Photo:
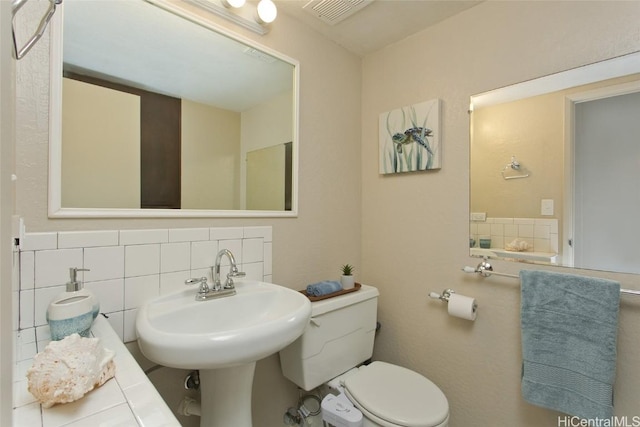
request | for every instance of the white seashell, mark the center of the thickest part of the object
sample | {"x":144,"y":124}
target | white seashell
{"x":67,"y":369}
{"x":517,"y":245}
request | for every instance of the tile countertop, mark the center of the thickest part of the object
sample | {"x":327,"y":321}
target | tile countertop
{"x":129,"y":399}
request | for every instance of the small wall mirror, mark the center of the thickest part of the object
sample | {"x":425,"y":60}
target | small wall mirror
{"x":156,"y":112}
{"x":554,"y":169}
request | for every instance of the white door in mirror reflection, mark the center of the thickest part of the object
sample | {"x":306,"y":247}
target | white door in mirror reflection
{"x":606,"y":234}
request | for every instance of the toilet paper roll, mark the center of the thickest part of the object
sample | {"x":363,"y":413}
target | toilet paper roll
{"x":463,"y":307}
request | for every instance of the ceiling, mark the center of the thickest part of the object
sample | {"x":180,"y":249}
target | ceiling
{"x":380,"y":23}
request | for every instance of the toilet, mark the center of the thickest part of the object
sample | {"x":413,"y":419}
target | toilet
{"x":331,"y":351}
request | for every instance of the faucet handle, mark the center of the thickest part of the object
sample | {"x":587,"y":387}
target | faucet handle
{"x":233,"y":273}
{"x":202,"y":281}
{"x":236,"y":273}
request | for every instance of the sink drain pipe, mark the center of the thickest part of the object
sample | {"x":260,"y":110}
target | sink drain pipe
{"x":189,"y":407}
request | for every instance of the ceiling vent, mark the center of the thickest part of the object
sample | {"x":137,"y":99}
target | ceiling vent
{"x":334,"y":11}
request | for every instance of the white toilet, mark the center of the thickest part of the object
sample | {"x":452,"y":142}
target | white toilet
{"x":338,"y":339}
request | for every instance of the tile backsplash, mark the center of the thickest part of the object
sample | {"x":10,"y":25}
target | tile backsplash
{"x":541,"y":234}
{"x":127,"y":267}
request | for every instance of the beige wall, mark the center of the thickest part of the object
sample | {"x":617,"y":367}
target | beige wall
{"x":531,"y":129}
{"x":329,"y":194}
{"x":101,"y":149}
{"x":210,"y":157}
{"x":415,"y":227}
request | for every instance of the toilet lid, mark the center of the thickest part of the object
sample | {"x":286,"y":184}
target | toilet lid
{"x":398,"y":395}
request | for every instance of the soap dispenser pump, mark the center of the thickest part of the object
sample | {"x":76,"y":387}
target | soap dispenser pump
{"x":77,"y":287}
{"x":72,"y":311}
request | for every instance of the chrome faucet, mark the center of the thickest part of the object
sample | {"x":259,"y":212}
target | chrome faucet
{"x":233,"y":272}
{"x":206,"y":292}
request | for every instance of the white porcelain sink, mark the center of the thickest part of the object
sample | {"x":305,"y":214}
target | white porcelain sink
{"x":259,"y":320}
{"x":222,"y":338}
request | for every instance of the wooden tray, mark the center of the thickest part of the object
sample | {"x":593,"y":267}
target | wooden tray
{"x":332,"y":294}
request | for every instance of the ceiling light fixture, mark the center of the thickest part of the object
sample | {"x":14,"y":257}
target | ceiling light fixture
{"x":239,"y":13}
{"x":266,"y":12}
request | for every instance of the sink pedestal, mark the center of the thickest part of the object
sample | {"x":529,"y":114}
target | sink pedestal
{"x":225,"y":396}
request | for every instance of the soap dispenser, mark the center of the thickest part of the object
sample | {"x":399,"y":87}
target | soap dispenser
{"x":72,"y":311}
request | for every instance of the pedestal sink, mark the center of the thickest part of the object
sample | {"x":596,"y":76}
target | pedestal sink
{"x":222,"y":338}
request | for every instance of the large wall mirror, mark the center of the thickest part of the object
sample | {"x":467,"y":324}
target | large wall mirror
{"x":155,"y":112}
{"x":555,"y":169}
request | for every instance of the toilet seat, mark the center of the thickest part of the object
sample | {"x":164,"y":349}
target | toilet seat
{"x":395,"y":396}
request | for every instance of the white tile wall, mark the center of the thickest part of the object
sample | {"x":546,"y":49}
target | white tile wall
{"x":86,"y":239}
{"x":203,"y":254}
{"x":175,"y":257}
{"x":39,"y":241}
{"x":227,"y":233}
{"x":50,"y":265}
{"x":27,"y":270}
{"x":267,"y":257}
{"x":252,"y":250}
{"x":140,"y":260}
{"x":235,"y":246}
{"x":140,"y":237}
{"x":170,"y":282}
{"x":128,"y":267}
{"x":103,"y":263}
{"x":188,"y":235}
{"x":27,"y":305}
{"x":139,"y":289}
{"x":541,"y":234}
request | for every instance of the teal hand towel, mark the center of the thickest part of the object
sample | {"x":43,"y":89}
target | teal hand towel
{"x":569,"y":329}
{"x":323,"y":288}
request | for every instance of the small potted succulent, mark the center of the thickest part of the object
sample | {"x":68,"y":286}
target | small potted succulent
{"x":347,"y":280}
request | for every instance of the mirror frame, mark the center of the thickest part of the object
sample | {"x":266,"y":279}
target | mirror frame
{"x":55,"y":209}
{"x":614,"y":67}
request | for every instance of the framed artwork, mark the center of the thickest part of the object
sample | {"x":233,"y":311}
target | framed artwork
{"x":409,"y":138}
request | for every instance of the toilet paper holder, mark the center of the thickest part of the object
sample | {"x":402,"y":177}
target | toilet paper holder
{"x":446,"y":294}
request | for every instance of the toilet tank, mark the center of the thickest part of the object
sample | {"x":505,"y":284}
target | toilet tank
{"x":339,"y":337}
